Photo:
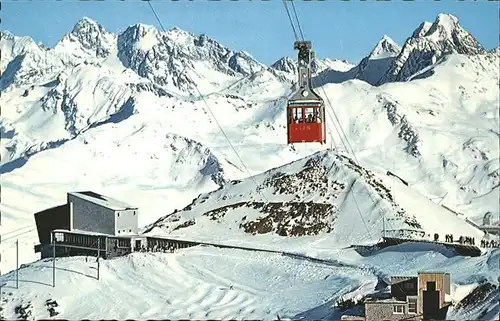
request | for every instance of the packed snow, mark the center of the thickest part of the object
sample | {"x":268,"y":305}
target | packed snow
{"x":211,"y":283}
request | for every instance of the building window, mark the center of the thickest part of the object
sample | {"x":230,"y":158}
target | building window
{"x":399,"y":309}
{"x":134,"y":212}
{"x":59,"y":237}
{"x":118,"y":214}
{"x":123,"y":243}
{"x":118,"y":231}
{"x":412,"y":306}
{"x":130,"y":230}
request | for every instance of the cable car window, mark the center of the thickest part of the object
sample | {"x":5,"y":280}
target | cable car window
{"x":310,"y":115}
{"x":297,"y":116}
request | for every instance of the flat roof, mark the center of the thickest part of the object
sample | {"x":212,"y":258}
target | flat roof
{"x":82,"y":232}
{"x":386,"y":301}
{"x":102,"y":200}
{"x":403,"y":277}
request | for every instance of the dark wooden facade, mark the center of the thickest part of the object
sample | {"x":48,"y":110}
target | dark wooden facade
{"x":402,"y":287}
{"x":52,"y":219}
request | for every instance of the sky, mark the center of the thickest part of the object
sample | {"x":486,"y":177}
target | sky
{"x":338,"y":29}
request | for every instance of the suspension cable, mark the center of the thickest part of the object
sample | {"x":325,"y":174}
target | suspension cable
{"x":297,"y":19}
{"x":213,"y":116}
{"x":352,"y":195}
{"x":291,"y":20}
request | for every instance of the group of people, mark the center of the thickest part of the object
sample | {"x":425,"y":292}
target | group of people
{"x":164,"y":249}
{"x":449,"y":238}
{"x":309,"y":119}
{"x":489,"y":243}
{"x":468,"y":240}
{"x":462,"y":239}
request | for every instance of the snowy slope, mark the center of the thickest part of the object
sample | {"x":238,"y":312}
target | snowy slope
{"x":326,"y":197}
{"x":190,"y":284}
{"x":210,"y":283}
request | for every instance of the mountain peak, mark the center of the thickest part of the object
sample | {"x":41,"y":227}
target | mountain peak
{"x":142,"y":26}
{"x":177,"y":29}
{"x":422,"y":29}
{"x":386,"y":47}
{"x":87,"y":38}
{"x":285,"y":64}
{"x":446,"y":20}
{"x":142,"y":36}
{"x":6,"y":34}
{"x":444,"y":27}
{"x":428,"y":44}
{"x":86,"y":24}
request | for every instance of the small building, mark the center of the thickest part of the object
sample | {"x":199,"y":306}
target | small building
{"x":93,"y":212}
{"x":86,"y":218}
{"x":90,"y":224}
{"x":433,"y":289}
{"x":423,"y":297}
{"x":390,"y":310}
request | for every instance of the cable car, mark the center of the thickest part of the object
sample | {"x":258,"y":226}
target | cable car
{"x":305,"y":108}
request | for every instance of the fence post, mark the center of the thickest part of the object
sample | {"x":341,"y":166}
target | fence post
{"x":17,"y":264}
{"x":53,"y":260}
{"x":98,"y":254}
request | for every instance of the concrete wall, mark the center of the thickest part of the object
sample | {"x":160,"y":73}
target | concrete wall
{"x":384,"y":311}
{"x":127,"y":222}
{"x":91,"y":217}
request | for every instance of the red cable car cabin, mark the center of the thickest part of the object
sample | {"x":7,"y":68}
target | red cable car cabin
{"x":306,"y":109}
{"x":306,"y":122}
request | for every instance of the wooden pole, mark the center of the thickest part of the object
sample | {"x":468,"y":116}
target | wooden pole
{"x":17,"y":264}
{"x":53,"y":260}
{"x":98,"y":254}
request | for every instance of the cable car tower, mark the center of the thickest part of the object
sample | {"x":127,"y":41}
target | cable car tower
{"x":305,"y":108}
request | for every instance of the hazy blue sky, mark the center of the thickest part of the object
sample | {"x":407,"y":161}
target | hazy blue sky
{"x":338,"y":29}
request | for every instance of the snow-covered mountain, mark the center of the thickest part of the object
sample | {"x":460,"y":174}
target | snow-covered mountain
{"x":378,"y":62}
{"x":120,"y":114}
{"x":87,"y":39}
{"x":94,"y":81}
{"x":315,"y":197}
{"x":430,"y":42}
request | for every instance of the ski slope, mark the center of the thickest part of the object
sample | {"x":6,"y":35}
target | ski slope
{"x":210,"y":283}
